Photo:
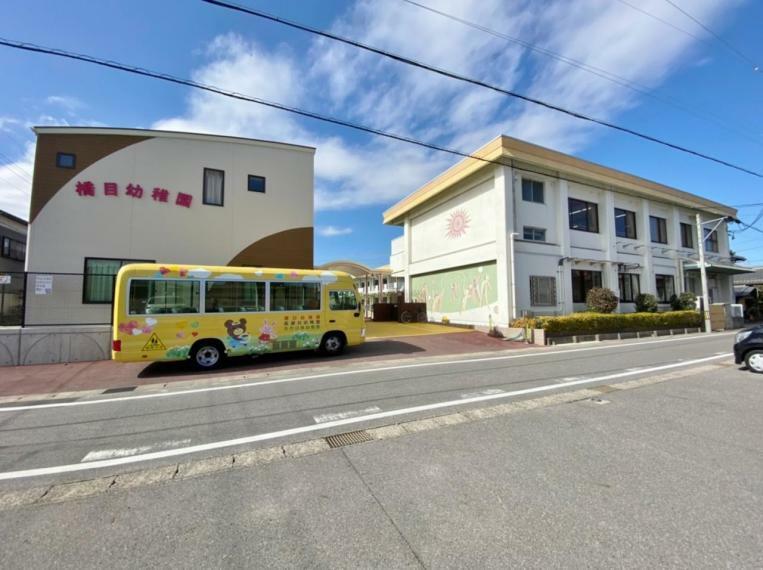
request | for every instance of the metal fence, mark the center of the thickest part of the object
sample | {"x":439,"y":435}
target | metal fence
{"x":55,"y":298}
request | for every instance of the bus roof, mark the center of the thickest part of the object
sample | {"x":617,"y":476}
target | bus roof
{"x":176,"y":270}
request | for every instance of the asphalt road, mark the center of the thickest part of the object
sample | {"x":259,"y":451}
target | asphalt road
{"x":69,"y":440}
{"x":664,"y":475}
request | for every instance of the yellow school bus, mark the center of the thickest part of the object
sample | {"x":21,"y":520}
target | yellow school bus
{"x":205,"y":313}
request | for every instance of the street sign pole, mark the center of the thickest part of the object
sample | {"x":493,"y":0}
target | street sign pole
{"x":703,"y":274}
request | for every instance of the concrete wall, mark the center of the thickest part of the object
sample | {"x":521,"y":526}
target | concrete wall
{"x":49,"y":345}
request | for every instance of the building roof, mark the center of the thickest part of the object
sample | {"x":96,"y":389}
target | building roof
{"x":42,"y":130}
{"x":354,"y":268}
{"x":754,"y":278}
{"x":510,"y":150}
{"x":4,"y":214}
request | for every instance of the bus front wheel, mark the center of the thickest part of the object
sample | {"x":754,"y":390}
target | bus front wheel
{"x":332,"y":343}
{"x":207,"y":355}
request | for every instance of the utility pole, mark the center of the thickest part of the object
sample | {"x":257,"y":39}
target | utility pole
{"x":703,"y":274}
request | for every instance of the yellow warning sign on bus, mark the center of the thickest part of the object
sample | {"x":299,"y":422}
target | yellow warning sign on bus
{"x":154,"y":343}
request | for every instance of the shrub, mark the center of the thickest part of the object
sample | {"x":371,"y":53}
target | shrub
{"x":593,"y":323}
{"x":683,"y":302}
{"x":646,"y":303}
{"x":601,"y":300}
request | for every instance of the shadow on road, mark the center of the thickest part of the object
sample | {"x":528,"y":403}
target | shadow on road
{"x":269,"y":361}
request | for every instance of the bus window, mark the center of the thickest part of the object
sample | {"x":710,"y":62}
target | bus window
{"x":343,"y":300}
{"x":234,"y":297}
{"x":287,"y":296}
{"x":157,"y":297}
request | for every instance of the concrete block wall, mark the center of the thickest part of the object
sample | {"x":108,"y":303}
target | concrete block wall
{"x":51,"y":345}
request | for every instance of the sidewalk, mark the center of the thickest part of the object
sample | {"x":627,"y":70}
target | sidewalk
{"x":108,"y":375}
{"x":664,"y":475}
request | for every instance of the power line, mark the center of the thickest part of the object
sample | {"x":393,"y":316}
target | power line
{"x":479,"y":83}
{"x":719,"y":38}
{"x":295,"y":110}
{"x":597,"y":71}
{"x":666,"y":22}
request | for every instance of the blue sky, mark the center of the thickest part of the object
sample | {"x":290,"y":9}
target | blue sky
{"x":358,"y":176}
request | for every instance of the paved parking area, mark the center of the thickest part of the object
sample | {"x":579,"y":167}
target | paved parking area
{"x":394,"y":329}
{"x":105,"y":375}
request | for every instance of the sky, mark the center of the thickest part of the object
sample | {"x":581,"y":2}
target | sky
{"x":664,"y":75}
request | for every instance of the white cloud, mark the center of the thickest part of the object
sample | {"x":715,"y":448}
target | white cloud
{"x":356,"y":170}
{"x":16,"y":183}
{"x":332,"y":231}
{"x":66,"y":102}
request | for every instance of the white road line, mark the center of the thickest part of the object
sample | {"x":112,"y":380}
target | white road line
{"x":567,"y":379}
{"x":323,"y":418}
{"x":256,"y":383}
{"x":318,"y":427}
{"x":488,"y":392}
{"x":127,"y":451}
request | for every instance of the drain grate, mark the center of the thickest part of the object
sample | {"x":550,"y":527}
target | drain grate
{"x":117,"y":390}
{"x":349,"y":438}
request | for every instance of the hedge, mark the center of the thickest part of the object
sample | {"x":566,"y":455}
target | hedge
{"x":593,"y":323}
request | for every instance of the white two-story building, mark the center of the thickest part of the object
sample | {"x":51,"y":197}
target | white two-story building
{"x":486,"y":242}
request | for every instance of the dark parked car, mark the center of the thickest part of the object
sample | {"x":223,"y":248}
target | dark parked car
{"x":748,"y":348}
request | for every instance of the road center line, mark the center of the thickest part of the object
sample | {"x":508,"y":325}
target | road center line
{"x":256,"y":383}
{"x":26,"y":473}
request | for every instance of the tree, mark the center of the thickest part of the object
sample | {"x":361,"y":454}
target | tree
{"x":601,"y":300}
{"x":683,"y":302}
{"x":646,"y":303}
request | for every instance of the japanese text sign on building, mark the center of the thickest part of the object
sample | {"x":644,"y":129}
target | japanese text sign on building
{"x":88,"y":189}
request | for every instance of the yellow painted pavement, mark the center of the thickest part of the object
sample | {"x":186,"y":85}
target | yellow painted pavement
{"x":394,"y":329}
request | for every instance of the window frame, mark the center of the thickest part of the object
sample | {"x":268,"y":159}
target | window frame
{"x":266,"y":298}
{"x":587,"y":206}
{"x":688,"y":234}
{"x":10,"y":241}
{"x":629,"y":214}
{"x":60,"y":155}
{"x":711,"y":237}
{"x":355,"y":309}
{"x":113,"y":281}
{"x":533,"y":229}
{"x":533,"y":188}
{"x":202,"y":290}
{"x":250,"y":177}
{"x":672,"y":280}
{"x":534,"y":302}
{"x":321,"y":288}
{"x":621,"y":285}
{"x":594,"y":285}
{"x":662,"y":229}
{"x":204,"y":188}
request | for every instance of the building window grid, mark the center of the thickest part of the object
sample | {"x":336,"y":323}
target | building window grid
{"x":13,"y":249}
{"x":542,"y":291}
{"x":711,"y":240}
{"x":630,"y":286}
{"x":66,"y":160}
{"x":584,"y":216}
{"x":532,"y":233}
{"x":532,"y":191}
{"x":687,"y":235}
{"x":214,"y":187}
{"x":625,"y":223}
{"x":255,"y":183}
{"x":659,"y":229}
{"x":584,"y":280}
{"x":665,"y":286}
{"x":99,"y":278}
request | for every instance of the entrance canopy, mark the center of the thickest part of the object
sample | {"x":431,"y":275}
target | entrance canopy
{"x":719,"y":268}
{"x":354,"y":268}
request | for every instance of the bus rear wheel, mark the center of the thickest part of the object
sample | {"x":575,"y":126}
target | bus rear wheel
{"x":332,"y":343}
{"x":207,"y":355}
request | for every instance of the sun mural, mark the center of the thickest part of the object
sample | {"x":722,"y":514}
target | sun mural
{"x":457,"y":224}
